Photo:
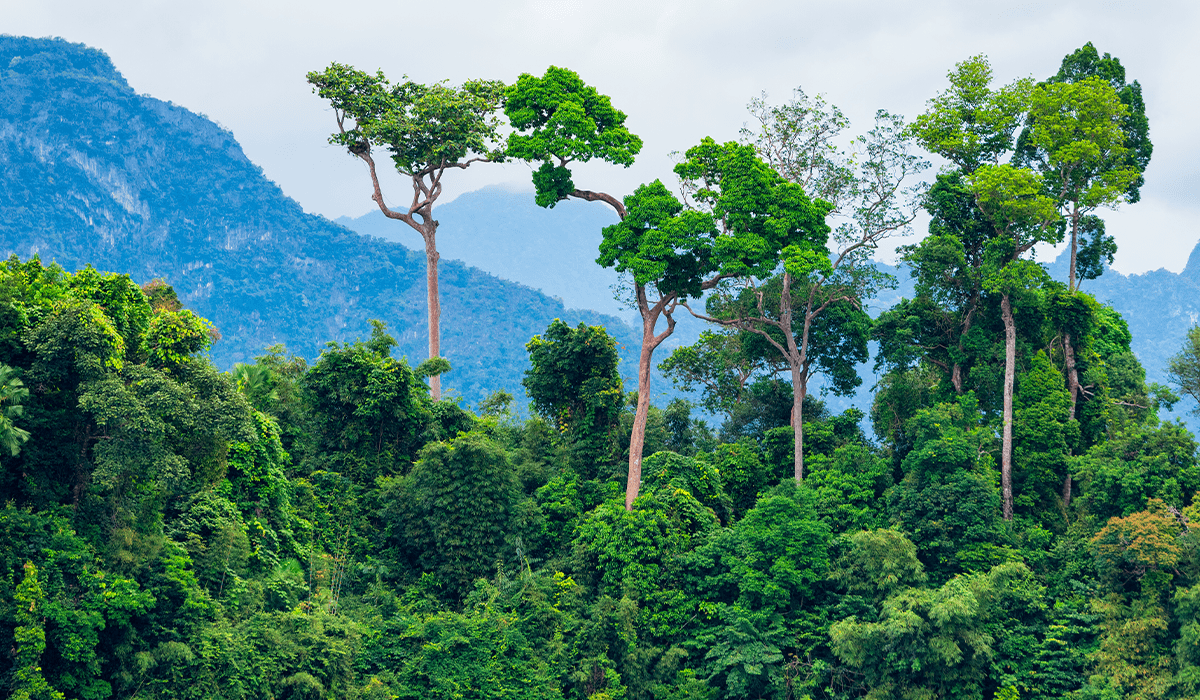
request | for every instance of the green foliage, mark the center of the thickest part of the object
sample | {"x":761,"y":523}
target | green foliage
{"x":877,"y":564}
{"x":696,"y":476}
{"x":1185,"y":367}
{"x":1138,"y":463}
{"x":742,"y":471}
{"x":30,"y":639}
{"x":1043,"y":433}
{"x":771,"y":559}
{"x":367,"y":410}
{"x":459,"y":514}
{"x":12,"y":393}
{"x":971,"y":124}
{"x":574,"y":383}
{"x":558,"y":119}
{"x":423,"y":127}
{"x":947,"y":500}
{"x":929,"y":642}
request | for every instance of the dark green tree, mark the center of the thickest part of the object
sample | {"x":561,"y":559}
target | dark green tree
{"x":574,"y":384}
{"x":457,"y":515}
{"x":368,"y":412}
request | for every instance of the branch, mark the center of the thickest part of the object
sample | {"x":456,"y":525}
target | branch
{"x":743,"y":324}
{"x":608,"y":199}
{"x":378,"y":195}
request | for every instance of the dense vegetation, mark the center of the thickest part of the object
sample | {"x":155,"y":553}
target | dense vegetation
{"x":326,"y":529}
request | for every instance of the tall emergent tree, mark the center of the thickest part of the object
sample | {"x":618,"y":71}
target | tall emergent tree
{"x":426,"y":130}
{"x":810,"y":310}
{"x":972,"y":126}
{"x":559,"y":120}
{"x":1089,"y":136}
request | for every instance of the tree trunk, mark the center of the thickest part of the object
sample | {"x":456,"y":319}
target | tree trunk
{"x":799,"y":391}
{"x":1072,"y":285}
{"x":1073,"y":387}
{"x":637,"y":438}
{"x":956,"y":372}
{"x":650,"y":341}
{"x":1010,"y":370}
{"x":435,"y":307}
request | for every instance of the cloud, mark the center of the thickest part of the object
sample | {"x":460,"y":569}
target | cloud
{"x":681,"y":70}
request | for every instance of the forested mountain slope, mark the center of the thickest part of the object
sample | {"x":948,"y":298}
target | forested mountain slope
{"x":93,"y":173}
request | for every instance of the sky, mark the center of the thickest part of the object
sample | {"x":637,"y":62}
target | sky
{"x":681,"y":70}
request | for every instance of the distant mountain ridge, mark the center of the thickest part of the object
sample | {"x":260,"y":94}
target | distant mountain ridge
{"x":93,"y":173}
{"x":507,"y":234}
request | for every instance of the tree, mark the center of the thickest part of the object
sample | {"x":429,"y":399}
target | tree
{"x":722,"y":363}
{"x":1011,"y":198}
{"x":1077,"y":140}
{"x":972,"y":126}
{"x":456,"y":514}
{"x":12,"y":394}
{"x":573,"y":382}
{"x":818,"y":294}
{"x":1184,"y":368}
{"x":668,"y":251}
{"x":427,"y":130}
{"x":559,"y":120}
{"x":932,"y":643}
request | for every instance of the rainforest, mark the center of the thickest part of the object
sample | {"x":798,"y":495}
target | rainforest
{"x":517,"y":514}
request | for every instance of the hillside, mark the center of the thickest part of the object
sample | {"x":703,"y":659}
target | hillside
{"x":507,"y":234}
{"x":94,"y":173}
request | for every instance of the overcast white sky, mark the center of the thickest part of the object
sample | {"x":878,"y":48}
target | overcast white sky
{"x":680,"y":70}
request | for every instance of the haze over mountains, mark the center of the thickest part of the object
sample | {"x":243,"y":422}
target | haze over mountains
{"x":95,"y":173}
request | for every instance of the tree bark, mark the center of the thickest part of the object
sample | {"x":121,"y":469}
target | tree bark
{"x":434,"y":305}
{"x":956,"y":372}
{"x":650,"y":341}
{"x":799,"y":391}
{"x":1074,"y":248}
{"x":1010,"y":370}
{"x":1073,"y":387}
{"x":637,"y":439}
{"x":1069,"y":350}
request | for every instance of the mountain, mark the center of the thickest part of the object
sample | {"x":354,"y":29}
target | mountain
{"x":1159,"y":306}
{"x":93,"y":173}
{"x":507,"y":234}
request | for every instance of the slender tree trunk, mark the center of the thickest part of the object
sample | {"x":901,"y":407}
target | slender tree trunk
{"x":1010,"y":370}
{"x":798,"y":361}
{"x":1069,"y":349}
{"x":637,"y":438}
{"x":650,"y":341}
{"x":799,"y":391}
{"x":435,"y":307}
{"x":1072,"y":285}
{"x":956,"y":372}
{"x":1073,"y":387}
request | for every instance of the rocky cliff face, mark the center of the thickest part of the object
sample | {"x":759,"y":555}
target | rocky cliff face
{"x":93,"y":173}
